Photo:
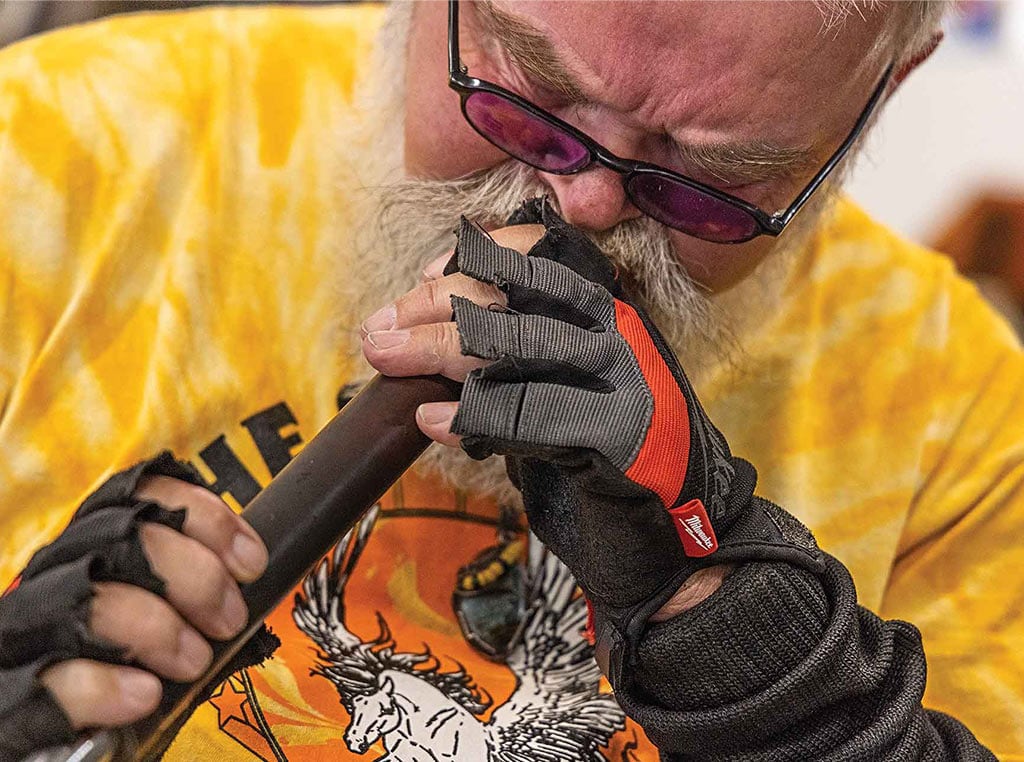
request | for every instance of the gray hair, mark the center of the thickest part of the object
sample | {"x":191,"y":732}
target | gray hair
{"x":912,"y":26}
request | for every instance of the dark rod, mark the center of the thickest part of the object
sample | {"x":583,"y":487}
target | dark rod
{"x":301,"y":514}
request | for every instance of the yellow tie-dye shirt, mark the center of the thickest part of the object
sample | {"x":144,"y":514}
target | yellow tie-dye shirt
{"x":175,"y":196}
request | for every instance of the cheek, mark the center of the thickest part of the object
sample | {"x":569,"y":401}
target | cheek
{"x":720,"y":266}
{"x":439,"y":144}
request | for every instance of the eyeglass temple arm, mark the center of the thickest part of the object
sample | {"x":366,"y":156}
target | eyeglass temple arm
{"x":454,"y":62}
{"x":782,"y":219}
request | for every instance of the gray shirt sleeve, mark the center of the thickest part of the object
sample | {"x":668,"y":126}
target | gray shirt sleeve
{"x":782,"y":664}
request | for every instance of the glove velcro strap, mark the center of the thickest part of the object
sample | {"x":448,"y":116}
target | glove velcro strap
{"x":764,"y":532}
{"x":29,"y":715}
{"x":761,"y":532}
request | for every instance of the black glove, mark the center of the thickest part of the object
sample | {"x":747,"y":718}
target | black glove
{"x":44,"y":616}
{"x":623,"y":476}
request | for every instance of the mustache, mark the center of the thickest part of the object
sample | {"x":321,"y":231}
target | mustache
{"x":412,"y":208}
{"x":412,"y":222}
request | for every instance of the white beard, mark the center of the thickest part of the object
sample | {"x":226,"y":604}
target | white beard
{"x":407,"y":223}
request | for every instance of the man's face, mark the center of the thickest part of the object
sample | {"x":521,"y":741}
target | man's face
{"x":750,"y":97}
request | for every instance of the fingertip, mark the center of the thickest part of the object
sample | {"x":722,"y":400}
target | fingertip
{"x":383,"y":319}
{"x":437,"y":414}
{"x":435,"y":270}
{"x":248,"y":556}
{"x":93,"y":694}
{"x":435,"y":420}
{"x":140,"y":690}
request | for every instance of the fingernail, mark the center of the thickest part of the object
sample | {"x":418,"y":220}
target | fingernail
{"x":249,"y":554}
{"x":435,"y":269}
{"x":193,"y":651}
{"x":235,"y":615}
{"x":382,"y":320}
{"x":139,"y":689}
{"x":387,"y":339}
{"x":434,"y":414}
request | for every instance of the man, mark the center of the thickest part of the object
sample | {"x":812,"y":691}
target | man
{"x":177,"y":185}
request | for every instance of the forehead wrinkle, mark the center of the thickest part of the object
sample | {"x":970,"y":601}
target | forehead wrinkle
{"x":729,"y":160}
{"x":530,"y":49}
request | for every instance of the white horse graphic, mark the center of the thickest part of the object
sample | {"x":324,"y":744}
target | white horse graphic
{"x":423,"y":714}
{"x":416,"y":720}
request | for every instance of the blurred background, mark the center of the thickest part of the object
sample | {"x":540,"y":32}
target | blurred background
{"x":944,"y":167}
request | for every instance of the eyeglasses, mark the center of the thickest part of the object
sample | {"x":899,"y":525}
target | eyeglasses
{"x":532,"y":135}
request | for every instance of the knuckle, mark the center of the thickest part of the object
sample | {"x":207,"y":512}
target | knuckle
{"x":410,"y":306}
{"x":153,"y":538}
{"x":158,"y":631}
{"x":485,"y":294}
{"x":57,"y":677}
{"x":153,"y":486}
{"x":438,"y":299}
{"x":211,"y":584}
{"x":446,"y":336}
{"x":105,"y":609}
{"x":197,"y":497}
{"x":94,"y":681}
{"x":165,"y":490}
{"x":78,"y":680}
{"x":210,"y":580}
{"x":223,"y":524}
{"x":131,"y":618}
{"x":93,"y":694}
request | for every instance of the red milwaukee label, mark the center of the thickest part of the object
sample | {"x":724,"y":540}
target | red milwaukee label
{"x":694,"y":529}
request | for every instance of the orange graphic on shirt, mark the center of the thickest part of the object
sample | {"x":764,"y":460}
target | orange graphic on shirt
{"x":373,"y":662}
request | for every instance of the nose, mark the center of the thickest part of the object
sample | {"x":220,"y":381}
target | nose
{"x":593,"y":199}
{"x":356,"y":744}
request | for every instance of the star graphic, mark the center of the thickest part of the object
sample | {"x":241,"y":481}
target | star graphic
{"x":230,"y":701}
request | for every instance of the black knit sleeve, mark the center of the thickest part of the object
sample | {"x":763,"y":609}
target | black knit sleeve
{"x":782,"y":664}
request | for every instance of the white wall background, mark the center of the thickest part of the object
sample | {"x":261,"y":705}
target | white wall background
{"x":954,"y":128}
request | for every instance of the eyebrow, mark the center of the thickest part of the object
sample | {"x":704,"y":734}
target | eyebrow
{"x":747,"y":162}
{"x":530,"y":50}
{"x":735,"y":162}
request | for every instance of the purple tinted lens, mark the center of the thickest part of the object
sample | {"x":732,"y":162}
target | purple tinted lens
{"x":525,"y":136}
{"x":690,"y":210}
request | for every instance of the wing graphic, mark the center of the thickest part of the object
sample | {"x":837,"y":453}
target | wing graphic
{"x":320,"y":612}
{"x":557,"y":711}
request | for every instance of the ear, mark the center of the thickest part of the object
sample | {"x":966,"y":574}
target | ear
{"x":916,"y":60}
{"x":388,"y":686}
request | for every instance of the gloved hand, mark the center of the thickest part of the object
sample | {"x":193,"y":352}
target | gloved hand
{"x":622,"y":474}
{"x":625,"y":478}
{"x":58,"y":640}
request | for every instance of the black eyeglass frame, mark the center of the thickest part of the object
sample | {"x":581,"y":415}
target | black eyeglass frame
{"x":769,"y":224}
